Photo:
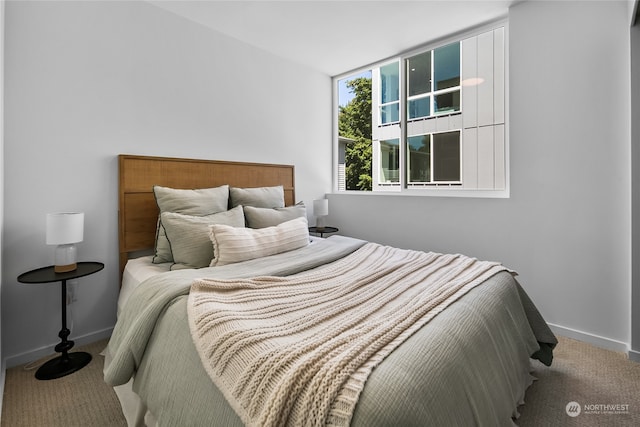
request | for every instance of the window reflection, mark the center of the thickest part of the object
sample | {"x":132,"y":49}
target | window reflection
{"x":446,"y":67}
{"x":447,"y":102}
{"x":390,"y":113}
{"x":419,"y":158}
{"x":390,"y":161}
{"x":446,"y":156}
{"x":420,"y":107}
{"x":390,"y":82}
{"x":434,"y":158}
{"x":419,"y":74}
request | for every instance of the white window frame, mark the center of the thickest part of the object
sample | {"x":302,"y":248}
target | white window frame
{"x":435,"y":190}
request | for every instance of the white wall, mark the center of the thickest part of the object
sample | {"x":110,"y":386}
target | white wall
{"x":635,"y":187}
{"x":86,"y":81}
{"x":2,"y":365}
{"x":566,"y":226}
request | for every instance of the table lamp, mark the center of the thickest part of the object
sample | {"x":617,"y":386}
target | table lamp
{"x":65,"y":229}
{"x":320,"y":210}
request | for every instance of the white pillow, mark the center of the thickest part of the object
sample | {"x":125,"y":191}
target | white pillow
{"x":232,"y":244}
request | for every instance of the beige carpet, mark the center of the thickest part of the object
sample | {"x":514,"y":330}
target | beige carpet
{"x":581,"y":373}
{"x":81,"y":399}
{"x":589,"y":376}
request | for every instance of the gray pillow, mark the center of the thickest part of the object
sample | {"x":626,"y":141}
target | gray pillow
{"x":264,"y":217}
{"x":205,"y":201}
{"x":189,"y":235}
{"x":259,"y":197}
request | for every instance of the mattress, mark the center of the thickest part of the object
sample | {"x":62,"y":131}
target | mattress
{"x":135,"y":272}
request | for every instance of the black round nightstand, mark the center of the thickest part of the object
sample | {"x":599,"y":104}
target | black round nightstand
{"x":66,"y":363}
{"x":323,"y":230}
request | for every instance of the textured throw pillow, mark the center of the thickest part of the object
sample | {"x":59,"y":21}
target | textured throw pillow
{"x":199,"y":202}
{"x":232,"y":245}
{"x":259,"y":197}
{"x":189,"y":236}
{"x":264,"y":217}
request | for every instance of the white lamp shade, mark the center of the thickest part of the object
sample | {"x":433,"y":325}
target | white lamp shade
{"x":321,"y":207}
{"x":65,"y":227}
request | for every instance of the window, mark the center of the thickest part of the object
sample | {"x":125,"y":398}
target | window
{"x":438,"y":121}
{"x":434,"y":158}
{"x":440,"y":94}
{"x":389,"y":93}
{"x":390,"y":161}
{"x":354,"y":132}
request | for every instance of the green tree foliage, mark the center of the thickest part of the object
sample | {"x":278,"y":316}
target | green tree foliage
{"x":354,"y":121}
{"x":355,"y":118}
{"x":358,"y":165}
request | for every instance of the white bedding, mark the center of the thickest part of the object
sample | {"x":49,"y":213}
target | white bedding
{"x":140,"y":269}
{"x":135,"y":272}
{"x":481,"y":343}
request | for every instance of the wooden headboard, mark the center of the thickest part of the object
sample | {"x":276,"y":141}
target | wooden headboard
{"x":137,"y":208}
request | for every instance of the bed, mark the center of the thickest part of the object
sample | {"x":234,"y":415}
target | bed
{"x":247,"y":337}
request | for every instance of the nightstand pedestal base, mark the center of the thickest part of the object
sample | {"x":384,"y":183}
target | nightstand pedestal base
{"x":63,"y":365}
{"x":67,"y":363}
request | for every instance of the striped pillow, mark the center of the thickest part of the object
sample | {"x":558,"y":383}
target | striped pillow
{"x":189,"y":235}
{"x":231,"y":244}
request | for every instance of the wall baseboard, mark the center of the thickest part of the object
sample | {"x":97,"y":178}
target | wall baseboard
{"x":33,"y":355}
{"x":634,"y":355}
{"x":595,"y":340}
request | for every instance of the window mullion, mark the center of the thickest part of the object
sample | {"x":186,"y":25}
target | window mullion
{"x":431,"y":82}
{"x":403,"y":124}
{"x":431,"y":162}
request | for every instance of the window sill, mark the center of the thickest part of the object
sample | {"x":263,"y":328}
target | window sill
{"x":449,"y":192}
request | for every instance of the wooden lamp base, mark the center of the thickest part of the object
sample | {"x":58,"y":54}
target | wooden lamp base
{"x":65,"y":268}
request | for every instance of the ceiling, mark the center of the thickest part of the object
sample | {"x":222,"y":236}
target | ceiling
{"x":333,"y":36}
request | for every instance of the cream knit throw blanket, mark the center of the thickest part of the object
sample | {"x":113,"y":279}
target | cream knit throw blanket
{"x":297,"y":350}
